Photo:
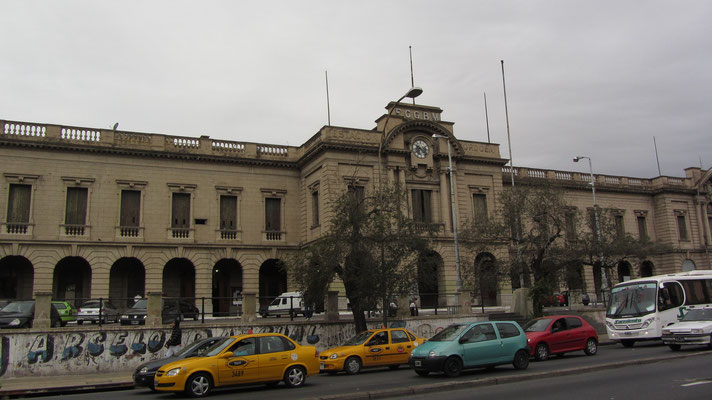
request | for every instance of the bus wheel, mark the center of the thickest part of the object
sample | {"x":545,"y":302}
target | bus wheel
{"x":628,"y":342}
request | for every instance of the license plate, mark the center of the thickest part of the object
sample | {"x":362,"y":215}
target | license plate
{"x":629,"y":333}
{"x":321,"y":365}
{"x":134,"y":322}
{"x":418,"y":363}
{"x":679,"y":339}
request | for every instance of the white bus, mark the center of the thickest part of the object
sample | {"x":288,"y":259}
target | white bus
{"x":640,"y":308}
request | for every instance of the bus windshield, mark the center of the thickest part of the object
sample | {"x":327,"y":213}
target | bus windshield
{"x":632,"y":300}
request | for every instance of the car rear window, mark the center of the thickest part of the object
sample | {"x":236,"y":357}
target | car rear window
{"x":507,"y":330}
{"x":573,"y":323}
{"x":60,"y":306}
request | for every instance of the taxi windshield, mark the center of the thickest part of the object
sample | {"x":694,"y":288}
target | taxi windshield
{"x":359,"y":338}
{"x":448,"y":334}
{"x":218,"y":347}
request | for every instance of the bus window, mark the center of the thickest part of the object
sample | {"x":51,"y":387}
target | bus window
{"x":696,"y":292}
{"x":670,"y":296}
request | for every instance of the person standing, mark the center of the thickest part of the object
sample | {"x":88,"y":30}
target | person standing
{"x":174,"y":342}
{"x":413,"y":307}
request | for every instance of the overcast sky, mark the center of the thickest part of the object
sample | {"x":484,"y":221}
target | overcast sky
{"x":594,"y":78}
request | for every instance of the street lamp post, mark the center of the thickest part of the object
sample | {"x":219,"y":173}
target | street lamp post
{"x":411,"y":93}
{"x":458,"y":278}
{"x":604,"y":280}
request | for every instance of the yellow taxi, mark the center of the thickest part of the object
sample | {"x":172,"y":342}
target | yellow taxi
{"x":373,"y":348}
{"x":254,"y":358}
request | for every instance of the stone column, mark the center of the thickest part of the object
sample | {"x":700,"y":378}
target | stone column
{"x":445,"y":202}
{"x":249,"y":305}
{"x":465,"y":303}
{"x":332,"y":306}
{"x":403,"y":306}
{"x":43,"y":302}
{"x":154,"y":309}
{"x":521,"y":303}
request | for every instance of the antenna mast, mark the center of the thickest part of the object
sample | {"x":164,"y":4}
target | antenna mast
{"x":328,"y":108}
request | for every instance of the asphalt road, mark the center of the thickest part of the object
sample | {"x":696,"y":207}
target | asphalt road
{"x":380,"y":379}
{"x":679,"y":379}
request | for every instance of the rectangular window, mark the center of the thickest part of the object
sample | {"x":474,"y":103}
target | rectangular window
{"x":642,"y":228}
{"x":480,"y":203}
{"x":273,"y":215}
{"x":18,"y":208}
{"x":76,"y":212}
{"x":228,"y":213}
{"x":697,"y":291}
{"x":421,"y":206}
{"x":130,"y":208}
{"x":620,"y":228}
{"x":358,"y":192}
{"x":570,"y":225}
{"x":682,"y":227}
{"x":315,"y":208}
{"x":181,"y":211}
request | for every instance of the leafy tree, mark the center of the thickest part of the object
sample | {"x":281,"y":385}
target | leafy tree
{"x":371,"y":246}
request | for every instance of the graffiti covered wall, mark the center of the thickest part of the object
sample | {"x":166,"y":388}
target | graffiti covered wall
{"x":116,"y":349}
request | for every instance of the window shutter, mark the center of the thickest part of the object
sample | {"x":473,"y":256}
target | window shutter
{"x":228,"y":212}
{"x":18,"y":209}
{"x":181,"y":210}
{"x":272,"y":215}
{"x":130,"y":208}
{"x":76,"y":206}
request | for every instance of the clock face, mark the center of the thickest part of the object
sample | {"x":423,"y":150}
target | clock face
{"x":420,"y":149}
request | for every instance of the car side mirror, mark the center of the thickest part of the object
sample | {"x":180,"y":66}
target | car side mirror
{"x":463,"y":340}
{"x":227,"y":354}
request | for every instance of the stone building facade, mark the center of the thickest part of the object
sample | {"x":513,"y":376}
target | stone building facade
{"x":95,"y":213}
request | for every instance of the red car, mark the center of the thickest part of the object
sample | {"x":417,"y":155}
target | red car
{"x":560,"y":334}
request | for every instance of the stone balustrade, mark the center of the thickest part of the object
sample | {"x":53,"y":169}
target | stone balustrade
{"x":567,"y":177}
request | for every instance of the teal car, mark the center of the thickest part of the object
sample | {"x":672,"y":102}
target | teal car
{"x":471,"y":345}
{"x":66,"y":312}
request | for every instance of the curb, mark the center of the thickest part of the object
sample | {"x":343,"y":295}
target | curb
{"x":4,"y":394}
{"x":448,"y":386}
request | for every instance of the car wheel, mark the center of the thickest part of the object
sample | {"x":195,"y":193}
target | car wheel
{"x":295,"y":377}
{"x":675,"y":347}
{"x":452,"y":367}
{"x":198,"y":385}
{"x":542,"y":352}
{"x":628,"y":342}
{"x":591,"y":347}
{"x":352,"y":366}
{"x":394,"y":367}
{"x":422,"y":372}
{"x":521,"y":359}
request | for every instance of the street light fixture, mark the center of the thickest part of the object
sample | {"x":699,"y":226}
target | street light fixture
{"x":411,"y":93}
{"x":604,"y":280}
{"x":458,"y":280}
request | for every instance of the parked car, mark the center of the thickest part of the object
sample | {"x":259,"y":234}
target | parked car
{"x":555,"y":300}
{"x":287,"y":303}
{"x":144,"y":373}
{"x":172,"y":309}
{"x":694,"y":328}
{"x":66,"y":311}
{"x":374,"y":348}
{"x":472,"y":345}
{"x":89,"y":312}
{"x":21,"y":314}
{"x":255,"y":358}
{"x":560,"y":334}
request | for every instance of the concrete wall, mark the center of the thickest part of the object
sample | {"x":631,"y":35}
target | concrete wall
{"x":84,"y":351}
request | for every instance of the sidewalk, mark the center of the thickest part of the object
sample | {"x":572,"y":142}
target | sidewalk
{"x":36,"y":385}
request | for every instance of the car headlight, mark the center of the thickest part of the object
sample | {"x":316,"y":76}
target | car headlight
{"x":14,"y":322}
{"x":432,"y":354}
{"x":697,"y":331}
{"x":333,"y":356}
{"x":173,"y":372}
{"x":144,"y":317}
{"x":529,"y":340}
{"x":610,"y":325}
{"x":647,"y":323}
{"x":143,"y":370}
{"x":124,"y":316}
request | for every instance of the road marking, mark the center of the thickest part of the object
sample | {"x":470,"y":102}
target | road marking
{"x":696,"y":383}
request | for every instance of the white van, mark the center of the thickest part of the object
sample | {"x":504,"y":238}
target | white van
{"x":288,"y":303}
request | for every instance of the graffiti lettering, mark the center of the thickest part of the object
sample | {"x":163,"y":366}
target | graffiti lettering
{"x":42,"y":349}
{"x":73,"y":346}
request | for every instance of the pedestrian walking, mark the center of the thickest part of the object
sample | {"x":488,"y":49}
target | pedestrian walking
{"x":174,"y":342}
